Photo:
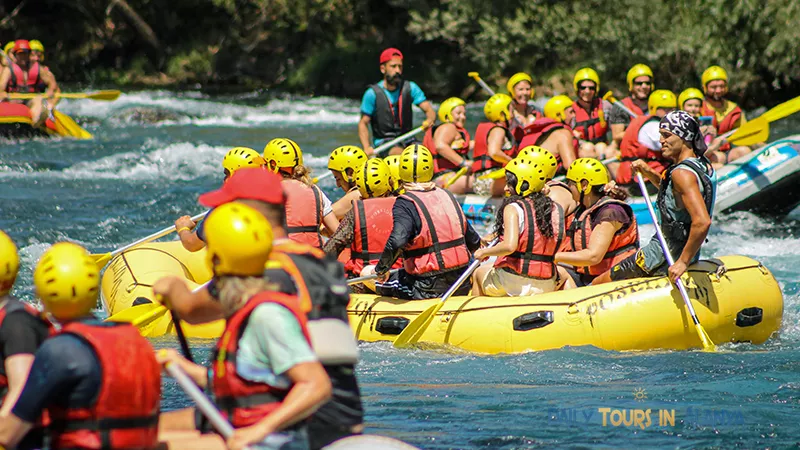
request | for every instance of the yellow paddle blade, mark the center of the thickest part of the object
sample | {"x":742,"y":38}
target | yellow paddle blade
{"x":107,"y":95}
{"x":708,"y":345}
{"x":101,"y":260}
{"x":414,"y":330}
{"x":455,"y":177}
{"x":753,"y":132}
{"x":609,"y":95}
{"x":67,"y":127}
{"x":784,"y":109}
{"x":494,"y":175}
{"x":473,"y":75}
{"x":134,"y":313}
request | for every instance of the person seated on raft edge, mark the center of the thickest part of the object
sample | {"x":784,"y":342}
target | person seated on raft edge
{"x":590,"y":113}
{"x":640,"y":85}
{"x":553,"y":133}
{"x":264,"y":376}
{"x":603,"y":231}
{"x":726,"y":115}
{"x":450,"y":144}
{"x":190,"y":233}
{"x":295,"y":269}
{"x":27,"y":76}
{"x":303,"y":224}
{"x":691,"y":101}
{"x":366,"y":227}
{"x":343,"y":163}
{"x":431,"y":231}
{"x":84,"y":375}
{"x":494,"y":146}
{"x":531,"y":228}
{"x":520,"y":88}
{"x":686,"y":194}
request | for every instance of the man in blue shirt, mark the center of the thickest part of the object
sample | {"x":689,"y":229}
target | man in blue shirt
{"x":386,"y":105}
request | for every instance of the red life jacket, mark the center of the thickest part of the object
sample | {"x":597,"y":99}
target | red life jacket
{"x":568,"y":218}
{"x":443,"y":164}
{"x":624,"y":243}
{"x":634,"y":108}
{"x":534,"y":255}
{"x":125,"y":414}
{"x":480,"y":153}
{"x":373,"y":225}
{"x":538,"y":132}
{"x":22,"y":81}
{"x":303,"y":222}
{"x":13,"y":305}
{"x":440,"y":245}
{"x":729,"y":122}
{"x":244,"y":402}
{"x":588,"y":124}
{"x":631,"y":150}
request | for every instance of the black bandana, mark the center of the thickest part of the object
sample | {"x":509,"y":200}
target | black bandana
{"x":683,"y":125}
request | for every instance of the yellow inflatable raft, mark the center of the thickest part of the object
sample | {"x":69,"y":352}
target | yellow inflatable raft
{"x":736,"y":298}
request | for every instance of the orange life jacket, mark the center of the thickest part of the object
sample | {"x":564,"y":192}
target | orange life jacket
{"x":538,"y":132}
{"x":25,"y":81}
{"x":373,"y":225}
{"x":634,"y":108}
{"x":480,"y":153}
{"x":125,"y":413}
{"x":631,"y":150}
{"x":534,"y":255}
{"x":588,"y":124}
{"x":568,"y":217}
{"x":303,"y":222}
{"x":443,"y":164}
{"x":243,"y":402}
{"x":728,"y":123}
{"x":624,"y":243}
{"x":440,"y":245}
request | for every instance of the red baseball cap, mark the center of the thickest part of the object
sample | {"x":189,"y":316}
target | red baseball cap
{"x":252,"y":183}
{"x":390,"y":53}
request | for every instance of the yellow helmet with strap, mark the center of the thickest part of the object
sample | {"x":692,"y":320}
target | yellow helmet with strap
{"x":36,"y":46}
{"x":66,"y":279}
{"x":447,"y":107}
{"x":589,"y":169}
{"x":542,"y":158}
{"x":239,"y":240}
{"x":555,"y":107}
{"x":393,"y":161}
{"x":661,"y":98}
{"x":497,"y":108}
{"x":374,"y":179}
{"x":8,"y":47}
{"x":711,"y":74}
{"x":530,"y":176}
{"x":9,"y":263}
{"x":346,"y":157}
{"x":587,"y":73}
{"x":689,"y":94}
{"x":416,"y":164}
{"x":240,"y":157}
{"x":517,"y":78}
{"x":639,"y":70}
{"x":282,"y":153}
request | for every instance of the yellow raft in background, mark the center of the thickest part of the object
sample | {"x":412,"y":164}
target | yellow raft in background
{"x":736,"y":298}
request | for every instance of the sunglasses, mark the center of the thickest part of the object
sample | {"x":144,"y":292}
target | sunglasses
{"x":590,"y":87}
{"x":642,"y":83}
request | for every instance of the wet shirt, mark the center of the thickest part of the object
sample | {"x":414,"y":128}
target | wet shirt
{"x":611,"y":213}
{"x":21,"y":334}
{"x":617,"y":116}
{"x":343,"y":237}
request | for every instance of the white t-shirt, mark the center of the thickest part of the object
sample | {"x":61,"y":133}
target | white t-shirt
{"x":327,"y":206}
{"x":649,"y":136}
{"x":521,"y":214}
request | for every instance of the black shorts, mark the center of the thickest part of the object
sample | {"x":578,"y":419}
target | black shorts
{"x":580,"y":279}
{"x":632,"y":267}
{"x":408,"y":287}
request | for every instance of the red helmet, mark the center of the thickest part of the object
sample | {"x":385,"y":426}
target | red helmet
{"x":21,"y":44}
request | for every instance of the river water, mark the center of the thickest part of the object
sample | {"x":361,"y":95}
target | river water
{"x":135,"y":177}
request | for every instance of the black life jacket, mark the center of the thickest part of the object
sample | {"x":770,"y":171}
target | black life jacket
{"x":386,"y":123}
{"x":674,"y":230}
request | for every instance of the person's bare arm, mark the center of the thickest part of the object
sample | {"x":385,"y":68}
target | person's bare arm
{"x":363,"y":134}
{"x":684,"y":185}
{"x":430,"y":113}
{"x":510,"y":236}
{"x":639,"y":166}
{"x":5,"y":77}
{"x":52,"y":87}
{"x":563,"y":140}
{"x":192,"y":307}
{"x":12,"y":430}
{"x":443,"y":139}
{"x":617,"y":132}
{"x":494,"y":145}
{"x":599,"y":242}
{"x":17,"y":368}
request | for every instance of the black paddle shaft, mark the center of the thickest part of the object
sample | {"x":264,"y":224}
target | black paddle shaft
{"x":187,"y":352}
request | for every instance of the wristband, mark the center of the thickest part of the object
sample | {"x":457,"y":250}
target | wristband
{"x":184,"y":228}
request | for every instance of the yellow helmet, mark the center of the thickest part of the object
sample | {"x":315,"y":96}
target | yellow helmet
{"x":711,"y":74}
{"x":239,"y":240}
{"x":542,"y":158}
{"x":516,"y":78}
{"x":447,"y":107}
{"x":530,"y":176}
{"x":689,"y":94}
{"x":661,"y":98}
{"x":416,"y":164}
{"x":639,"y":70}
{"x":393,"y":161}
{"x":497,"y":108}
{"x":8,"y":47}
{"x":588,"y":169}
{"x":66,"y":280}
{"x":9,"y":263}
{"x":36,"y":46}
{"x":587,"y":73}
{"x":240,"y":157}
{"x":347,"y":157}
{"x":282,"y":152}
{"x":555,"y":107}
{"x":374,"y":179}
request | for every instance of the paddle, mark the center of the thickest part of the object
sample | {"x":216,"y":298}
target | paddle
{"x":108,"y":96}
{"x":414,"y":330}
{"x":203,"y":403}
{"x":477,"y":78}
{"x":381,"y":148}
{"x":455,"y":177}
{"x":142,"y":315}
{"x":102,"y":259}
{"x":357,"y":280}
{"x":708,"y":345}
{"x":757,"y":130}
{"x":619,"y":104}
{"x":67,"y":127}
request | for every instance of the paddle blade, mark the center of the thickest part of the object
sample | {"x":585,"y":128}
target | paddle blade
{"x":474,"y":75}
{"x":134,"y":313}
{"x":67,"y":127}
{"x":753,"y":132}
{"x":101,"y":260}
{"x":784,"y":109}
{"x":455,"y":177}
{"x":414,"y":330}
{"x":495,"y":175}
{"x":708,"y":345}
{"x":108,"y":95}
